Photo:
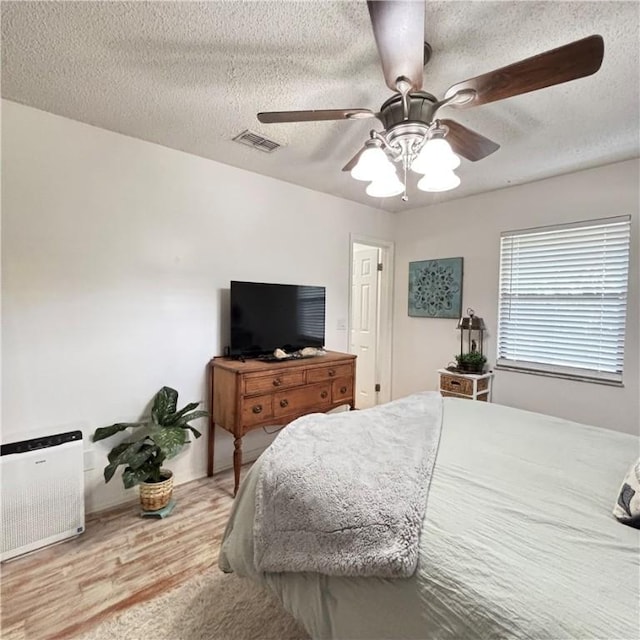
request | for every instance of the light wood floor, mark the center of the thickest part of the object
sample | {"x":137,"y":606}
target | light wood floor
{"x":120,"y":560}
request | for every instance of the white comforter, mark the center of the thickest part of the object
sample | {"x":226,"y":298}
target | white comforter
{"x":518,"y":541}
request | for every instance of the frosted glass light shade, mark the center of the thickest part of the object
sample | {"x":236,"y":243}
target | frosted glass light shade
{"x":436,"y":155}
{"x":385,"y":187}
{"x":372,"y":164}
{"x":439,"y":181}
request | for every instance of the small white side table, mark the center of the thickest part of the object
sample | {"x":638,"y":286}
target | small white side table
{"x":472,"y":386}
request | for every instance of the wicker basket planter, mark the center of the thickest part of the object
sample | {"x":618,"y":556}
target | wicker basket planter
{"x":156,"y":495}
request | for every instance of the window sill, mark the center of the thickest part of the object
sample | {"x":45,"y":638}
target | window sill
{"x":555,"y":374}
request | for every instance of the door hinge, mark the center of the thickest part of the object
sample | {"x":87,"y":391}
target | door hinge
{"x":379,"y":266}
{"x":377,"y":387}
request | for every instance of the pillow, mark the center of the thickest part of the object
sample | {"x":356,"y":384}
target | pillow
{"x":627,"y":508}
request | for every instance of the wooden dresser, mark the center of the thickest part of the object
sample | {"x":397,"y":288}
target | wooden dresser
{"x":253,"y":394}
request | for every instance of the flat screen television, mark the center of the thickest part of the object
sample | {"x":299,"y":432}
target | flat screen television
{"x":266,"y":317}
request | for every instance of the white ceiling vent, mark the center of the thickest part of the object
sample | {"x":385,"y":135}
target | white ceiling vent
{"x":257,"y":141}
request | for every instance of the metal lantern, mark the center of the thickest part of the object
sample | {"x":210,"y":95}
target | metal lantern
{"x":474,"y":328}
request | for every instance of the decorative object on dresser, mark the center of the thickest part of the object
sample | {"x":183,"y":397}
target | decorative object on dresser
{"x":435,"y":288}
{"x":472,"y":386}
{"x":252,"y":394}
{"x":162,"y":435}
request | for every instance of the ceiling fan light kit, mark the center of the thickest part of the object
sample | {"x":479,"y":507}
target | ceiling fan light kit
{"x":413,"y":145}
{"x":412,"y":136}
{"x":385,"y":187}
{"x":373,"y":164}
{"x":444,"y":180}
{"x":435,"y":154}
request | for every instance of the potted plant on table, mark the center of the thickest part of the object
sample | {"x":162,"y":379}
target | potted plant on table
{"x":472,"y":362}
{"x":155,"y":438}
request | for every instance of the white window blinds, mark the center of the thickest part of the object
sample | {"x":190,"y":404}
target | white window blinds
{"x":563,"y":299}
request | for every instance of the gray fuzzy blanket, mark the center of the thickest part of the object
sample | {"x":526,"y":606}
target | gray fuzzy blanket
{"x":345,"y":494}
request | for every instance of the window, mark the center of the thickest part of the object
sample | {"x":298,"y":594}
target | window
{"x":563,"y":299}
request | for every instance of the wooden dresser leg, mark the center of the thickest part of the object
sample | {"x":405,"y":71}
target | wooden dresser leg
{"x":212,"y":424}
{"x":210,"y":447}
{"x":237,"y":463}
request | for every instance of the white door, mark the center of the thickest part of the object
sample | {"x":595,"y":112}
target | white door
{"x":364,"y":323}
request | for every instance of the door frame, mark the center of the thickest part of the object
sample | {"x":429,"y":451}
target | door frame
{"x":384,"y":359}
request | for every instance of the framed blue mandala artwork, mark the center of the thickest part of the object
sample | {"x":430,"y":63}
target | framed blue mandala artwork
{"x":435,"y":288}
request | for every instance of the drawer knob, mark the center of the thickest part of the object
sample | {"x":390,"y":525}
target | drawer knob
{"x":332,"y":372}
{"x":257,"y":408}
{"x":284,"y":403}
{"x":343,"y":389}
{"x":324,"y":394}
{"x":277,"y":382}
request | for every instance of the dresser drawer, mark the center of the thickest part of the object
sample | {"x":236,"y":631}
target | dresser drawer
{"x":341,"y":389}
{"x":482,"y":398}
{"x":447,"y":394}
{"x":256,"y":409}
{"x":455,"y":384}
{"x":329,"y":373}
{"x":273,"y":382}
{"x":296,"y":400}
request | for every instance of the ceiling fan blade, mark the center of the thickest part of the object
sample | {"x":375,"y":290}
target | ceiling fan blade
{"x":569,"y":62}
{"x":467,"y":143}
{"x":319,"y":114}
{"x":398,"y":27}
{"x":354,"y":161}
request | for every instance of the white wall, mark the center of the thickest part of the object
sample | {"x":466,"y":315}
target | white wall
{"x":470,"y":228}
{"x":117,"y":256}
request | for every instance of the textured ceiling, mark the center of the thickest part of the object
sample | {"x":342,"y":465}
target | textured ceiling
{"x":193,"y":75}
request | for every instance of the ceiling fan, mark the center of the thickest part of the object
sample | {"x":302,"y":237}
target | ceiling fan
{"x":413,"y":136}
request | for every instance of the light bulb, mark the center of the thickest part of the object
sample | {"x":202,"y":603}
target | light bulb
{"x":385,"y":187}
{"x":439,"y":181}
{"x":372,"y":164}
{"x":436,"y":155}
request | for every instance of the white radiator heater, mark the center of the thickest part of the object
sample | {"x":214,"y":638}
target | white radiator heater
{"x":42,"y":495}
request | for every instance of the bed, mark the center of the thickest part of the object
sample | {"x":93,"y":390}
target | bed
{"x":518,"y":540}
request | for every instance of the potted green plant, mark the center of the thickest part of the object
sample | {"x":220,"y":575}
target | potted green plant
{"x":155,"y":438}
{"x":472,"y":362}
